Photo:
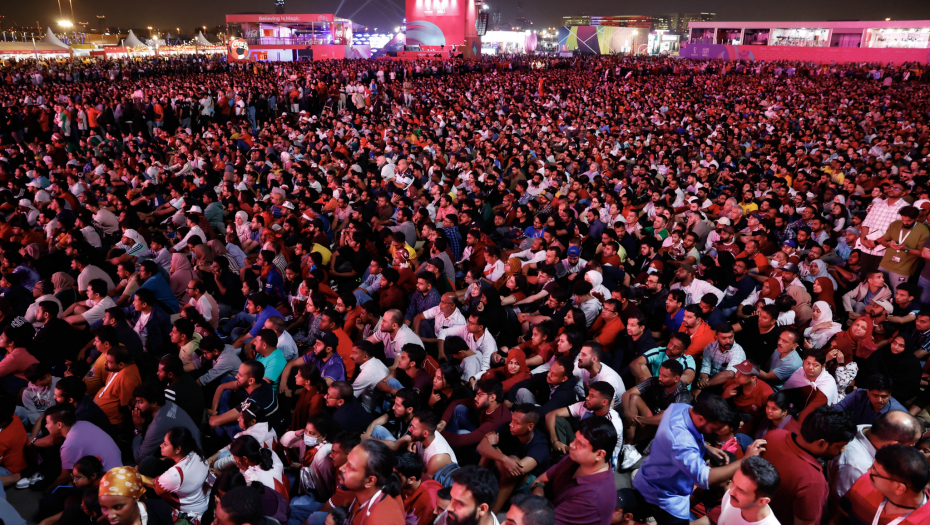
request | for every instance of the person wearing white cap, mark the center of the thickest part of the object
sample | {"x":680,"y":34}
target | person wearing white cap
{"x":32,"y":214}
{"x":192,"y":223}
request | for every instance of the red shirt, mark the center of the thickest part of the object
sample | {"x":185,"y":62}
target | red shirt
{"x":803,"y":491}
{"x":12,"y":442}
{"x":861,"y":503}
{"x":703,"y":337}
{"x":751,"y":403}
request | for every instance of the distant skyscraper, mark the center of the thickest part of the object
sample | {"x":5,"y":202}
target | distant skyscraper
{"x":102,"y":23}
{"x":279,"y":7}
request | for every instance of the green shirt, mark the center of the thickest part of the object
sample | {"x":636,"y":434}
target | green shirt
{"x":903,"y":263}
{"x":656,"y":356}
{"x":274,"y":365}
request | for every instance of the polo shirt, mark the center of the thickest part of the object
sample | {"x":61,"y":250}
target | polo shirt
{"x":803,"y":491}
{"x":704,"y":336}
{"x":862,"y":501}
{"x":333,"y":368}
{"x":657,"y":356}
{"x":859,"y":408}
{"x":274,"y":365}
{"x":753,"y":402}
{"x":673,"y":322}
{"x":588,"y":500}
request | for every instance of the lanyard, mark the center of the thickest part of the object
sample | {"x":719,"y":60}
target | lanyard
{"x":904,"y":238}
{"x":110,"y":380}
{"x":895,"y":521}
{"x":371,"y":502}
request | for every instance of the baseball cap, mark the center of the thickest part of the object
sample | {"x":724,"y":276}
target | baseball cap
{"x":438,"y":263}
{"x":574,"y":251}
{"x":196,"y":209}
{"x":724,"y":221}
{"x":853,"y":231}
{"x":626,"y":499}
{"x":329,"y":339}
{"x":289,"y":205}
{"x":790,"y":242}
{"x":747,"y":367}
{"x":790,"y":267}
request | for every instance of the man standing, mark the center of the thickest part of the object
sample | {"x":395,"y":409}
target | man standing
{"x":802,"y":496}
{"x":882,"y":213}
{"x":904,"y":241}
{"x":675,"y":465}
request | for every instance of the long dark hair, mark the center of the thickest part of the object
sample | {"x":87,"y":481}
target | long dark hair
{"x":248,"y":447}
{"x":181,"y":437}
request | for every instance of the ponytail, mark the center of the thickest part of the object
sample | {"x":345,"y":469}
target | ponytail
{"x":392,"y":485}
{"x":267,"y":459}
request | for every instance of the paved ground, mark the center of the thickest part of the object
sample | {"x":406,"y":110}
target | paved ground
{"x":26,"y":502}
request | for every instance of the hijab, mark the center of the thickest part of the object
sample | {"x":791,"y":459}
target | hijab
{"x":774,"y":289}
{"x":802,"y":308}
{"x":523,"y":374}
{"x":62,"y":282}
{"x":218,"y":247}
{"x":824,"y":383}
{"x":823,"y":328}
{"x":181,"y":276}
{"x":596,"y":279}
{"x":827,"y":288}
{"x":818,"y":270}
{"x":34,"y":250}
{"x":244,"y":230}
{"x":515,"y":266}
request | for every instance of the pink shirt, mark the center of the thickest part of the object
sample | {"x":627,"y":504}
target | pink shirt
{"x":16,"y":362}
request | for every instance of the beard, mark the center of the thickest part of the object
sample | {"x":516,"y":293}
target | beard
{"x":471,"y":519}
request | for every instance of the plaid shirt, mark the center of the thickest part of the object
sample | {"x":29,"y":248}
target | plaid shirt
{"x":421,"y":303}
{"x":879,"y":218}
{"x":716,"y":360}
{"x":455,"y":241}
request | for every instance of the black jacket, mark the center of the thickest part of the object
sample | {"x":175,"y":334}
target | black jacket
{"x":548,"y":399}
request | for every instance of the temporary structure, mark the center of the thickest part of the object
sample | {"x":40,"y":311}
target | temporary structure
{"x":50,"y":38}
{"x":132,"y":40}
{"x":201,"y":40}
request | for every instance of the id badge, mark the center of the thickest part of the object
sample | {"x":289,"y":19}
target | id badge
{"x":895,"y":258}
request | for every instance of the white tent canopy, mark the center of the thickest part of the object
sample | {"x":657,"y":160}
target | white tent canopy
{"x":133,"y":41}
{"x":202,"y":40}
{"x":50,"y":38}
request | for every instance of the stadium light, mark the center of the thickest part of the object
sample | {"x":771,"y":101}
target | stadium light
{"x":65,"y":23}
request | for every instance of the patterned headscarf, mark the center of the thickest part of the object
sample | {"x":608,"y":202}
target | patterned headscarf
{"x":122,"y":481}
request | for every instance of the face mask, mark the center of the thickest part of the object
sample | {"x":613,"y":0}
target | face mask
{"x":775,"y":264}
{"x":310,"y":441}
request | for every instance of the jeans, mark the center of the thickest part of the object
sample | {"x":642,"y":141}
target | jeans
{"x":226,"y":403}
{"x":382,"y":433}
{"x":427,"y":329}
{"x":361,"y":297}
{"x":317,"y":518}
{"x":237,"y":324}
{"x":23,"y":415}
{"x":460,"y":423}
{"x":302,"y":507}
{"x":3,"y":472}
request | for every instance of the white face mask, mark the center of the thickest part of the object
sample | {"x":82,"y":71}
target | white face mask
{"x":310,"y":441}
{"x":776,"y":264}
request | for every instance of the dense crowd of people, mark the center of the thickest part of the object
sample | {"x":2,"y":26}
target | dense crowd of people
{"x":529,"y":290}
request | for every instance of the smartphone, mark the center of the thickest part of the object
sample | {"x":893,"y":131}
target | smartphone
{"x":211,"y":479}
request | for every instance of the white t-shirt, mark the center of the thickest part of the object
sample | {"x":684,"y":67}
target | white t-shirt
{"x":438,"y":446}
{"x":96,"y":311}
{"x":730,"y":515}
{"x":443,"y":324}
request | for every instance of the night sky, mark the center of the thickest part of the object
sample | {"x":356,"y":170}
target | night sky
{"x":387,"y":14}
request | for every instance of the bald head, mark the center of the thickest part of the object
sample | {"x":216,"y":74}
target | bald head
{"x":896,"y":426}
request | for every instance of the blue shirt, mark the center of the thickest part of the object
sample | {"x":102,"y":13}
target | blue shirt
{"x":859,"y":408}
{"x":162,"y":291}
{"x":674,"y":323}
{"x":334,"y":368}
{"x":675,"y":464}
{"x":268,"y":311}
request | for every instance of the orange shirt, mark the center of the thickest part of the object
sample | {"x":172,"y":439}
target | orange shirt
{"x":607,"y":333}
{"x":386,"y":511}
{"x":117,"y":392}
{"x":345,"y":351}
{"x":96,"y":375}
{"x":12,"y":441}
{"x":703,"y":337}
